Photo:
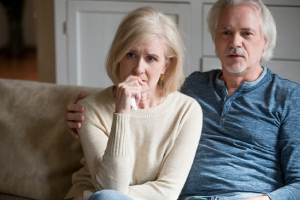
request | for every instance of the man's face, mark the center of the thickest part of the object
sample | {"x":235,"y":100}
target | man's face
{"x":239,"y":40}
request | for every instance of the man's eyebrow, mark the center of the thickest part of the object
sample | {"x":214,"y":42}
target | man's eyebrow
{"x":225,"y":28}
{"x":247,"y":29}
{"x":228,"y":28}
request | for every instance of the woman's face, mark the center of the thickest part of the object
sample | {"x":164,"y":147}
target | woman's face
{"x":146,"y":61}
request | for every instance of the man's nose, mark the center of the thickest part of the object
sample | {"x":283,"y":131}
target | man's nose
{"x":236,"y":41}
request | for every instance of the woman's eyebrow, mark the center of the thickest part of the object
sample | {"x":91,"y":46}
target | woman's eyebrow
{"x":153,"y":54}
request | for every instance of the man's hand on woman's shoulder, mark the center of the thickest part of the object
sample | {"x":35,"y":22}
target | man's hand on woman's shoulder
{"x":73,"y":118}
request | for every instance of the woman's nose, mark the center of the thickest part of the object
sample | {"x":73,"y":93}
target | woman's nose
{"x":140,"y":67}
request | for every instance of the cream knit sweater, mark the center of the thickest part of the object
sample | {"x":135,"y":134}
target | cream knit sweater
{"x":146,"y":154}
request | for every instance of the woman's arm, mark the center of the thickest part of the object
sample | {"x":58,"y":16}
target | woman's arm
{"x":110,"y":169}
{"x":107,"y":157}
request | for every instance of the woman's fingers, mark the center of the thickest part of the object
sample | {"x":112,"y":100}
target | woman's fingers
{"x":123,"y":98}
{"x":125,"y":90}
{"x":134,"y":80}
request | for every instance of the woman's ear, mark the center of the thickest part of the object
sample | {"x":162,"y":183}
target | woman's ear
{"x":167,"y":64}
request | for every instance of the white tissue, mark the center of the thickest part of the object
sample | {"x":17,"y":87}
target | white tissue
{"x":133,"y":103}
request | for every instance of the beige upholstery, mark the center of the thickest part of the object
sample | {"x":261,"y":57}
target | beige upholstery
{"x":37,"y":154}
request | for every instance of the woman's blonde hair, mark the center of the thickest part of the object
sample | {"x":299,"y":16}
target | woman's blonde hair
{"x":141,"y":26}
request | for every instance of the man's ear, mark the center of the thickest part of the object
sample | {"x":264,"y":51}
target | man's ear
{"x":265,"y":46}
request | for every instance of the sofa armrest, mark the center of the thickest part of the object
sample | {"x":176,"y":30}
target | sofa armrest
{"x":37,"y":154}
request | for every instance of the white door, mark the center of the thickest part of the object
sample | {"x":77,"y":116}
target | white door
{"x":91,"y":27}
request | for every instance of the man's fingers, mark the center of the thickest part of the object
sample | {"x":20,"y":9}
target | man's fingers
{"x":72,"y":107}
{"x":75,"y":117}
{"x":82,"y":95}
{"x":73,"y":125}
{"x":74,"y":133}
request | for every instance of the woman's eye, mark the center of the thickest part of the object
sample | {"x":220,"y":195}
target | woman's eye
{"x":131,"y":55}
{"x":226,"y":33}
{"x":151,"y":58}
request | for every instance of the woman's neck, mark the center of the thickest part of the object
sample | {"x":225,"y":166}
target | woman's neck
{"x":150,"y":99}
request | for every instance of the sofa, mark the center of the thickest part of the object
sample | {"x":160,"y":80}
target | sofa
{"x":37,"y":154}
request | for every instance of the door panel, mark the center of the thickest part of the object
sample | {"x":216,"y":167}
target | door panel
{"x":91,"y":29}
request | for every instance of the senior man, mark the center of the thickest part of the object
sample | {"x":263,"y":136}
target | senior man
{"x":250,"y":146}
{"x":250,"y":142}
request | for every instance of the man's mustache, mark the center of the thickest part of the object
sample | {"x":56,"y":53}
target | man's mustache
{"x":235,"y":51}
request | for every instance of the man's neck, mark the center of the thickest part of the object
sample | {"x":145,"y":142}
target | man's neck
{"x":235,"y":80}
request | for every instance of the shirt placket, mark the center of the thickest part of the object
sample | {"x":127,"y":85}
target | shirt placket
{"x":227,"y":102}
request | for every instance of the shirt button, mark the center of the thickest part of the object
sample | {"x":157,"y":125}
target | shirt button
{"x":223,"y":116}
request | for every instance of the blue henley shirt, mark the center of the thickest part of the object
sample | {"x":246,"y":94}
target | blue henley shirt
{"x":250,"y":141}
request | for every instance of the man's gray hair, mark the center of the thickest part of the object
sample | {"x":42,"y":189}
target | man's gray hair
{"x":267,"y":22}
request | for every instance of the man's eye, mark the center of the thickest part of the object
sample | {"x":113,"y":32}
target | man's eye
{"x":226,"y":32}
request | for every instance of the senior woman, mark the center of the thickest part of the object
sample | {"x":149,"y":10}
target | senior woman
{"x":145,"y":153}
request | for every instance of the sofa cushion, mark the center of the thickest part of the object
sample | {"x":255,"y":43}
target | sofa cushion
{"x":37,"y":154}
{"x":11,"y":197}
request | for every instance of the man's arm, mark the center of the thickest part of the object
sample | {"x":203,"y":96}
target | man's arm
{"x":289,"y":147}
{"x":73,"y":118}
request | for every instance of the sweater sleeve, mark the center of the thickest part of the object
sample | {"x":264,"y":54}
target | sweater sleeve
{"x":107,"y":157}
{"x":289,"y":145}
{"x":176,"y":166}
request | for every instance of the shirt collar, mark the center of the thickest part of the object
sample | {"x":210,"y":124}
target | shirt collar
{"x":245,"y":84}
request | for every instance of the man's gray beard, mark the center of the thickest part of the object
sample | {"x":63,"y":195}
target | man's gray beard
{"x":234,"y":69}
